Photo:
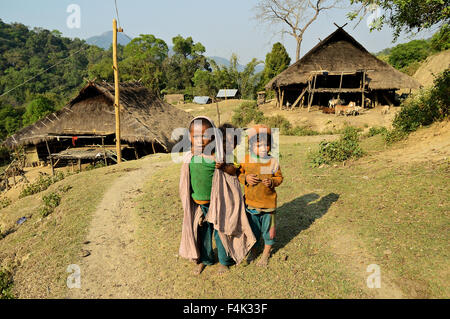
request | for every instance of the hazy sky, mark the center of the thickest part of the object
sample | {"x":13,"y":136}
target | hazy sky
{"x":223,"y":27}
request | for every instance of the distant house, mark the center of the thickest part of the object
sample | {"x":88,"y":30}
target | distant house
{"x":84,"y":129}
{"x":339,"y":67}
{"x":174,"y":98}
{"x":202,"y":99}
{"x":228,"y":94}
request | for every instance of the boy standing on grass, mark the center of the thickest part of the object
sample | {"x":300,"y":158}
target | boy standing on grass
{"x":261,"y":173}
{"x":211,"y":200}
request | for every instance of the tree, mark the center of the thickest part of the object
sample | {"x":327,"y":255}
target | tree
{"x":441,"y":40}
{"x":37,"y":109}
{"x":180,"y":68}
{"x":295,"y":15}
{"x":406,"y":53}
{"x":276,"y":62}
{"x":405,"y":15}
{"x":143,"y":59}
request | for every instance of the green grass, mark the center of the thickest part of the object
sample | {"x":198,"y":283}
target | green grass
{"x":332,"y":223}
{"x":38,"y":251}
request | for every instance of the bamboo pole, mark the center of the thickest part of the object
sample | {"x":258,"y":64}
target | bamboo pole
{"x":116,"y":93}
{"x":218,"y":113}
{"x":340,"y":86}
{"x":362,"y":89}
{"x":299,"y":97}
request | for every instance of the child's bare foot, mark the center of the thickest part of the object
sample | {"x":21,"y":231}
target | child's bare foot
{"x":223,"y":269}
{"x":199,"y":268}
{"x":264,"y":261}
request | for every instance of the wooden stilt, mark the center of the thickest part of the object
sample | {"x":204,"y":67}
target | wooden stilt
{"x":153,"y":147}
{"x":282,"y":99}
{"x":299,"y":97}
{"x":79,"y":164}
{"x":340,"y":85}
{"x":362,"y":89}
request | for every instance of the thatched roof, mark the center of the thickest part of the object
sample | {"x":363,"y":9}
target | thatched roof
{"x":144,"y":117}
{"x":341,"y":52}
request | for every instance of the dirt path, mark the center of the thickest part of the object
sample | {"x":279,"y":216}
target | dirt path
{"x":113,"y":267}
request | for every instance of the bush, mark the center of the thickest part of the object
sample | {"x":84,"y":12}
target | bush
{"x":51,"y":201}
{"x":6,"y":283}
{"x":246,"y":113}
{"x":337,"y":151}
{"x":426,"y":107}
{"x":4,"y":202}
{"x":393,"y":136}
{"x":280,"y":122}
{"x":377,"y":130}
{"x":41,"y":184}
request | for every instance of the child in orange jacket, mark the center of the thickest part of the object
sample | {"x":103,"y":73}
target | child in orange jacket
{"x":260,"y":173}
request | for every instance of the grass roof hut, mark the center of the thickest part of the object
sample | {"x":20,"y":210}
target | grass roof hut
{"x":339,"y":67}
{"x":84,"y":129}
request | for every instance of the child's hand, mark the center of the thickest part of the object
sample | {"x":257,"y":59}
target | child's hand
{"x":252,"y":179}
{"x":267,"y":182}
{"x":219,"y":165}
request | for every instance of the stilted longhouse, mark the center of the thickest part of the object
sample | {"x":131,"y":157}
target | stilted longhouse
{"x":339,"y":67}
{"x":84,"y":130}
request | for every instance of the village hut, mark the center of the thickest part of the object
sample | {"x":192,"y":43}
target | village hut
{"x":201,"y":100}
{"x":84,"y":129}
{"x":224,"y":94}
{"x":339,"y":67}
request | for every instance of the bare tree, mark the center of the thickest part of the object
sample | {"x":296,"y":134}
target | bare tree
{"x":296,"y":15}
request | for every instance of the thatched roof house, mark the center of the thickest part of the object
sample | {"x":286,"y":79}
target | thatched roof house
{"x":145,"y":119}
{"x":338,"y":65}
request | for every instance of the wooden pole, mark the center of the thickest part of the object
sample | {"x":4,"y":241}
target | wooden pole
{"x":340,"y":86}
{"x":116,"y":93}
{"x":282,"y":99}
{"x":218,"y":113}
{"x":362,"y":89}
{"x":104,"y":152}
{"x":299,"y":97}
{"x":51,"y":159}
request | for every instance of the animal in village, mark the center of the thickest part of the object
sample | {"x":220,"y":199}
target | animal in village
{"x":385,"y":109}
{"x":327,"y":110}
{"x":333,"y":102}
{"x":350,"y":109}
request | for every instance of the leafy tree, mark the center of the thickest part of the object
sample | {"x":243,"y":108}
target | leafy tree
{"x":276,"y":62}
{"x":188,"y":57}
{"x":405,"y":15}
{"x":143,"y":59}
{"x":10,"y":120}
{"x":441,"y":39}
{"x":37,"y":109}
{"x":404,"y":54}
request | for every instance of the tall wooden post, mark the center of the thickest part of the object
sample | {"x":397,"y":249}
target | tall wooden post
{"x":362,"y":90}
{"x":116,"y":93}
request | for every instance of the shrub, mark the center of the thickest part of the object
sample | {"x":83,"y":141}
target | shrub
{"x":394,"y":135}
{"x":41,"y":184}
{"x":280,"y":122}
{"x":246,"y":113}
{"x":302,"y":131}
{"x":426,"y":107}
{"x":6,"y":283}
{"x":337,"y":151}
{"x":4,"y":202}
{"x":377,"y":130}
{"x":51,"y":201}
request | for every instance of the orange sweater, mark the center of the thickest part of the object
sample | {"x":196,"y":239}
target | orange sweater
{"x":261,"y":196}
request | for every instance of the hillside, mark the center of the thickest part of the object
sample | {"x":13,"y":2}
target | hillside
{"x":121,"y":225}
{"x":432,"y":66}
{"x":104,"y":40}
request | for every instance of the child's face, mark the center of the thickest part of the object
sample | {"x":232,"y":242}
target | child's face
{"x":199,"y":138}
{"x":261,"y":148}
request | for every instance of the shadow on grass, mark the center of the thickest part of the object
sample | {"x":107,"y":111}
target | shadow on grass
{"x":298,"y":215}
